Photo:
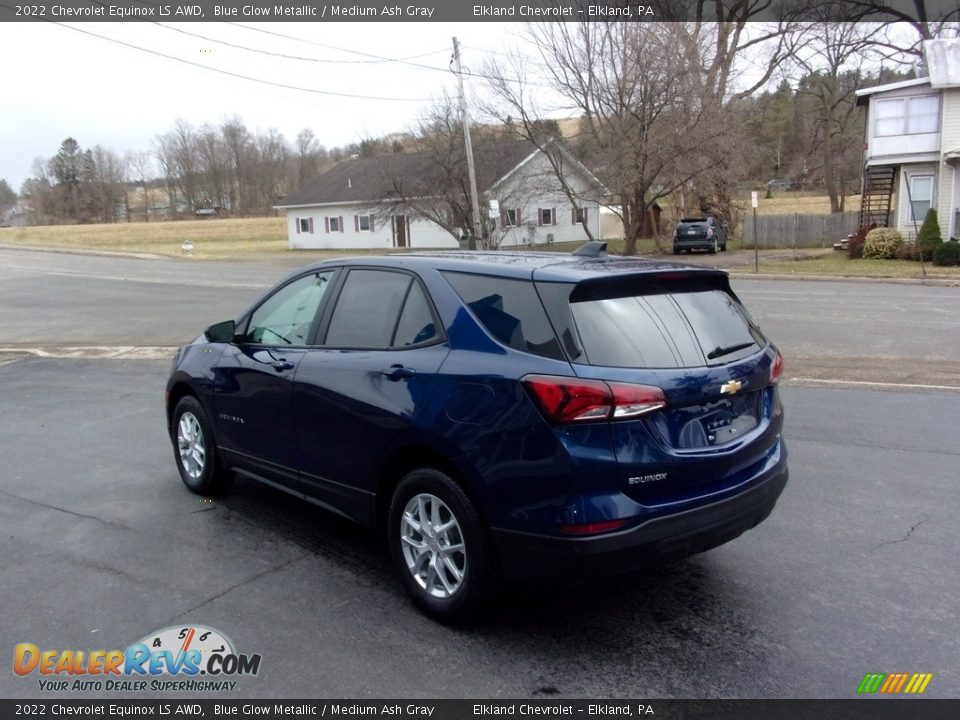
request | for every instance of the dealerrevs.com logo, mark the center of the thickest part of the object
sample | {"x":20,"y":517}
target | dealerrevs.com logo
{"x":192,"y":658}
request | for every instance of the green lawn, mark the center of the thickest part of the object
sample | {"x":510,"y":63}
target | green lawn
{"x":838,"y":264}
{"x":255,"y":237}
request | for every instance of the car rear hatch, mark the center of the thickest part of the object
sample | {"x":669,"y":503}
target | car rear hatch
{"x":693,"y":229}
{"x":686,"y":334}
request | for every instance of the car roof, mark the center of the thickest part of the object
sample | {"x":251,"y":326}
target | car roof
{"x":548,"y":266}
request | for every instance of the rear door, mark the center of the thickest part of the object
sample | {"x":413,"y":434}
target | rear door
{"x":359,"y":394}
{"x":691,"y":337}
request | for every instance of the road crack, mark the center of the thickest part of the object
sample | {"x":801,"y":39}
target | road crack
{"x":254,"y":578}
{"x":907,"y":536}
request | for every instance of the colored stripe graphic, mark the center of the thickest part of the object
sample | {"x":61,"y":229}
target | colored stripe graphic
{"x":918,"y":683}
{"x":895,"y":683}
{"x":871,"y":682}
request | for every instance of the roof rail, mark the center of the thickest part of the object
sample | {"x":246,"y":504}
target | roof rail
{"x":594,"y":249}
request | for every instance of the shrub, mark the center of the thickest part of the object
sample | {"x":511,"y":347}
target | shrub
{"x":908,"y":251}
{"x":929,"y":239}
{"x":882,"y":243}
{"x":947,"y":254}
{"x":855,"y":243}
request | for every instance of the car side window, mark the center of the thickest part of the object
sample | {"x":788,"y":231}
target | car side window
{"x":416,"y":323}
{"x":367,"y":309}
{"x":285,"y":318}
{"x":510,"y":310}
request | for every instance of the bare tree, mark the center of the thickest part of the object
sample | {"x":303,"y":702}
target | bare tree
{"x":140,"y":165}
{"x":906,"y":24}
{"x":165,"y":152}
{"x":835,"y":60}
{"x":108,"y":179}
{"x":431,"y":181}
{"x":307,"y":149}
{"x":273,"y":153}
{"x":642,"y":127}
{"x":240,"y":150}
{"x":434,"y":187}
{"x":215,"y":166}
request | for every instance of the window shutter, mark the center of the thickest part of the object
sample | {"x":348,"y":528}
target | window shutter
{"x":371,"y":223}
{"x":517,"y":216}
{"x":540,"y":217}
{"x":326,"y":223}
{"x":573,"y":216}
{"x":503,"y":218}
{"x":553,"y":216}
{"x":356,"y":223}
{"x":341,"y":223}
{"x":311,"y":226}
{"x":297,"y":221}
{"x":586,"y":216}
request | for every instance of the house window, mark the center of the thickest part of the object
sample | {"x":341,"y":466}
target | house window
{"x":363,"y":223}
{"x":333,"y":224}
{"x":304,"y":225}
{"x":921,"y":196}
{"x":578,"y":216}
{"x":509,"y":218}
{"x":908,"y":116}
{"x":546,"y":216}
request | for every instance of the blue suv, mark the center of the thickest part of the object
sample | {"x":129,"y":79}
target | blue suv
{"x":494,"y":413}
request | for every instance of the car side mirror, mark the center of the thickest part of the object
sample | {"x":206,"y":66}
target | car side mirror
{"x":221,"y":332}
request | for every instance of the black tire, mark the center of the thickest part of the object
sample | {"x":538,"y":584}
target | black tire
{"x":480,"y":571}
{"x":676,"y":251}
{"x":206,"y":476}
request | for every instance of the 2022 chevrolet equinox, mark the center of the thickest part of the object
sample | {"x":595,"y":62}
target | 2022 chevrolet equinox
{"x":494,"y":413}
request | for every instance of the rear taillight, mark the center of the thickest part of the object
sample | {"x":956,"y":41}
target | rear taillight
{"x":776,"y":369}
{"x":566,"y":399}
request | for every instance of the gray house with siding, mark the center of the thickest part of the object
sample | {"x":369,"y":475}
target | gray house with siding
{"x":912,"y":155}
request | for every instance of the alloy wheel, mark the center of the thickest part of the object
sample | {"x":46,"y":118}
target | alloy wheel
{"x":432,"y":545}
{"x":191,"y":446}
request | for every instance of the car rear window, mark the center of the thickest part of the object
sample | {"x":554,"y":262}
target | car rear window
{"x":665,"y":330}
{"x":510,"y":310}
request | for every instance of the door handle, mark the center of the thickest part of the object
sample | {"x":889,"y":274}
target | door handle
{"x":280,"y":364}
{"x":398,"y":372}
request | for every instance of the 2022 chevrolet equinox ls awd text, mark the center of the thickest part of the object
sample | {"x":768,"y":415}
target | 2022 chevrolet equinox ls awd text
{"x":494,"y":413}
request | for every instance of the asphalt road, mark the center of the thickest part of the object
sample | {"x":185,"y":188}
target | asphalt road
{"x":100,"y":543}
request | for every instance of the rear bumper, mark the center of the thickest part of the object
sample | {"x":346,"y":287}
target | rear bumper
{"x":695,"y":244}
{"x":661,"y":539}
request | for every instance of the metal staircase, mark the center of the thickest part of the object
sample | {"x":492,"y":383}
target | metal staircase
{"x":878,"y":185}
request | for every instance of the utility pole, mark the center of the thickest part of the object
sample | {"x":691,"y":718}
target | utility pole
{"x":465,"y":118}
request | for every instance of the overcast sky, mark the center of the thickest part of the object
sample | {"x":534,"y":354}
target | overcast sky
{"x":60,"y":82}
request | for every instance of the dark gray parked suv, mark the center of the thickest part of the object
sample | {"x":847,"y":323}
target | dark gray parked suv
{"x":699,"y":233}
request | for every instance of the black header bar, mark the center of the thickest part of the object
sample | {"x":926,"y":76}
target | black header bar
{"x":464,"y":10}
{"x":858,"y":709}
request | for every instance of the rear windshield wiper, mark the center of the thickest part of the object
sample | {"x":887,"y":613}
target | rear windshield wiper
{"x":721,"y":351}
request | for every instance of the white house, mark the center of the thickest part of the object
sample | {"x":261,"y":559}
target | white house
{"x":14,"y":214}
{"x":344,"y":207}
{"x":912,"y":156}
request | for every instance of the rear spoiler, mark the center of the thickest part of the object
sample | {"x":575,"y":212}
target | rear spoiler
{"x":651,"y":283}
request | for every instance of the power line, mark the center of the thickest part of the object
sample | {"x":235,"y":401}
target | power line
{"x":378,"y":58}
{"x":467,"y":72}
{"x":236,"y":75}
{"x":293,"y":57}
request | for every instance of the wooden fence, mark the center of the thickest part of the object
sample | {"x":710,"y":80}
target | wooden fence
{"x":798,"y":230}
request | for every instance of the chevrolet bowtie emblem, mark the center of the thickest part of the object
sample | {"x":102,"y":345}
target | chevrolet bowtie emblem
{"x":731,"y":387}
